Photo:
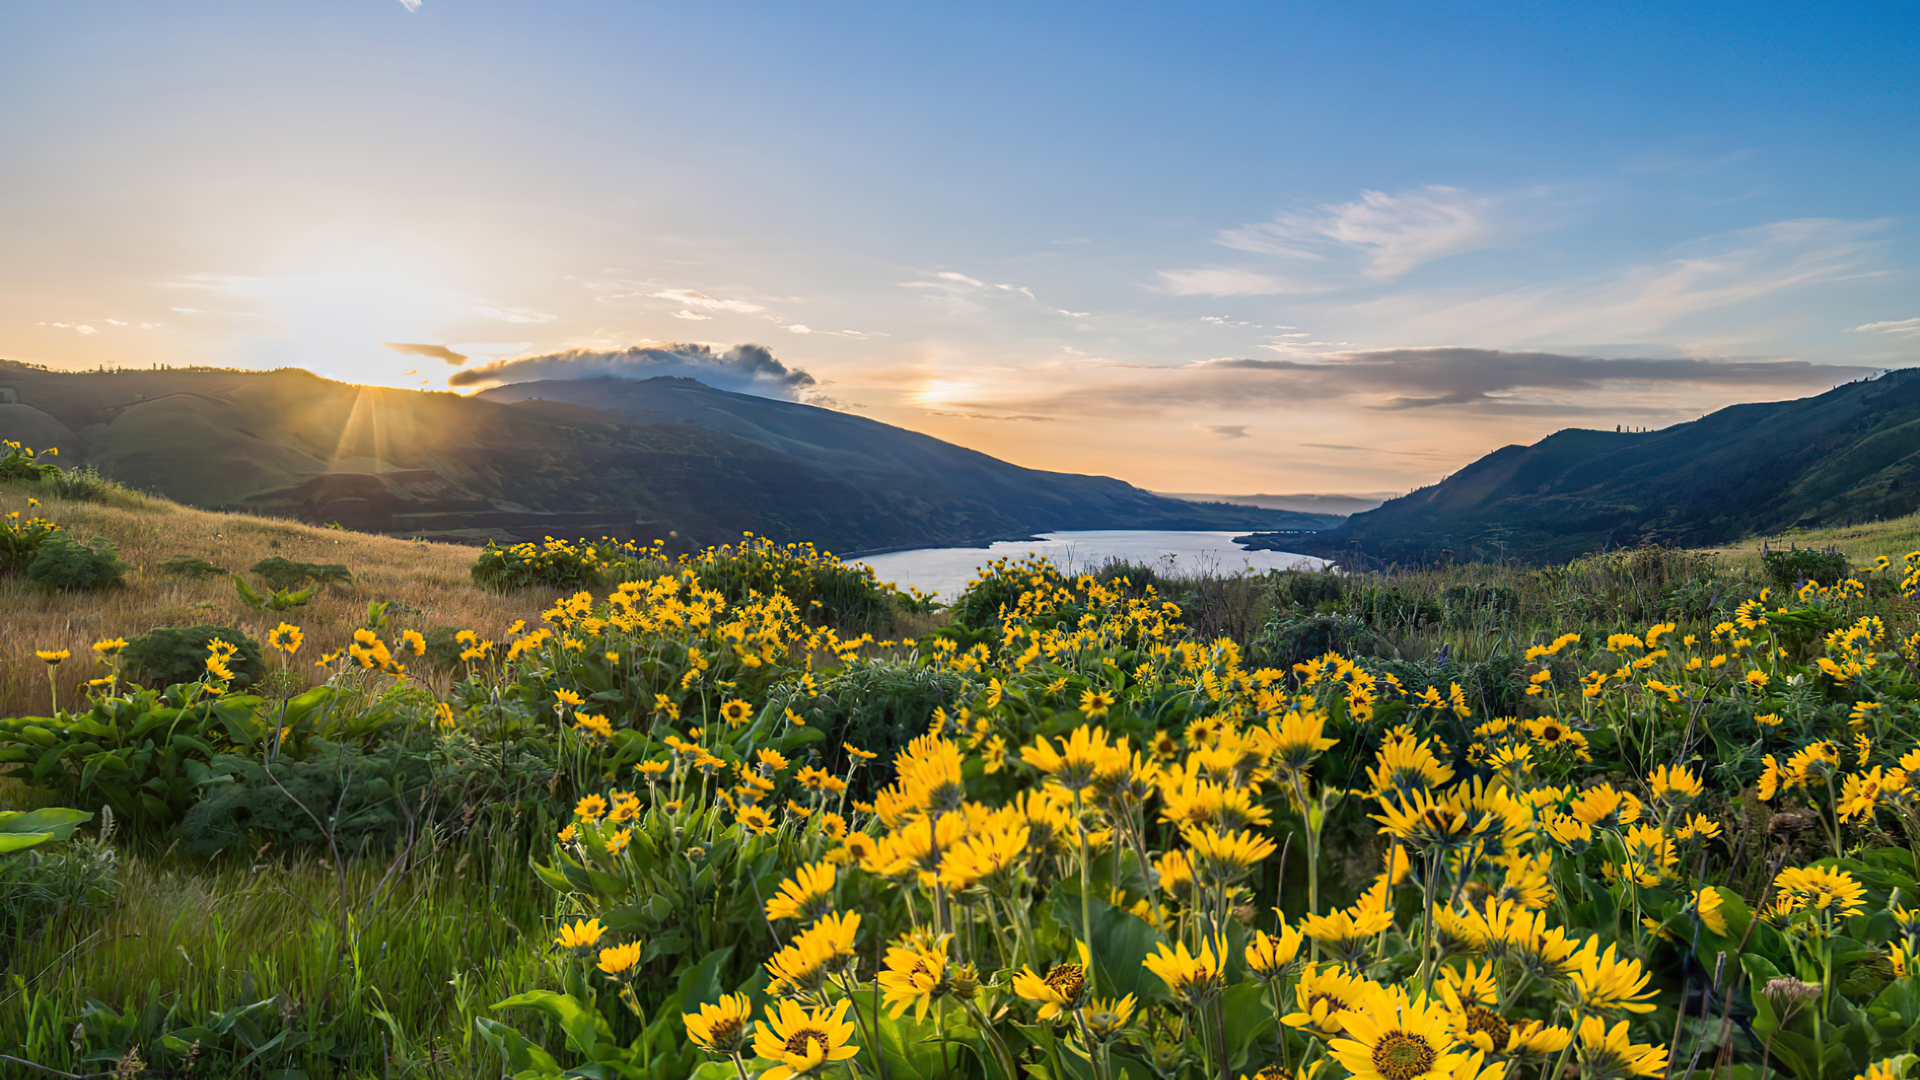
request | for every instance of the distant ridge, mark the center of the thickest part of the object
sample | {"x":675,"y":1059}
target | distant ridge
{"x":1849,"y":455}
{"x":1306,"y":504}
{"x":679,"y":461}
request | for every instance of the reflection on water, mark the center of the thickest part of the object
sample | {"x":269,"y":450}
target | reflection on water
{"x":946,"y":571}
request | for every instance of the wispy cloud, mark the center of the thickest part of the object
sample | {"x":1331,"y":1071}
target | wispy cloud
{"x":1226,"y":431}
{"x":1898,"y":327}
{"x":1394,"y":232}
{"x":802,"y":328}
{"x":1226,"y":281}
{"x":955,"y":283}
{"x":693,"y":298}
{"x":438,"y":352}
{"x":513,"y":315}
{"x":1644,"y":299}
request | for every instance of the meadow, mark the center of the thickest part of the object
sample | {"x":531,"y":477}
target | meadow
{"x":597,"y":812}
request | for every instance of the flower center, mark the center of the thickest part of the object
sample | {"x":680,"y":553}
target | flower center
{"x":1333,"y":1004}
{"x":1481,"y":1018}
{"x":797,"y":1042}
{"x":1067,"y":980}
{"x":725,"y":1030}
{"x":1401,"y":1055}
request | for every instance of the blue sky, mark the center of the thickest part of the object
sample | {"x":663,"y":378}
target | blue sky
{"x":1273,"y":247}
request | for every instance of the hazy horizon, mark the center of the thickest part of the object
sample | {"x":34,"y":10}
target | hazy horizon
{"x":1244,"y":248}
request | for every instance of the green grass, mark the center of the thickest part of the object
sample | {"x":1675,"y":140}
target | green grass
{"x":464,"y":928}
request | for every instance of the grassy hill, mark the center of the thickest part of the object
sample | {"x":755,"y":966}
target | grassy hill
{"x":1848,"y":456}
{"x":426,"y":584}
{"x":680,"y":462}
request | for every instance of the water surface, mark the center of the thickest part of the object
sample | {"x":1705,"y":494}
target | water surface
{"x":946,"y":571}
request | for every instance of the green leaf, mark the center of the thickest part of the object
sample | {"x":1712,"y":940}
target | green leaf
{"x":20,"y":830}
{"x":579,"y":1021}
{"x":520,"y":1053}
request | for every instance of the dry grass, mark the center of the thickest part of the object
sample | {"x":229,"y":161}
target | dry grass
{"x":431,"y":580}
{"x":1862,"y":543}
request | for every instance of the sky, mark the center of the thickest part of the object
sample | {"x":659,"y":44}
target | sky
{"x":1272,"y":247}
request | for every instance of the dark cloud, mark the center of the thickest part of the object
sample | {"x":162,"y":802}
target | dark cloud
{"x":1227,"y":431}
{"x":438,"y":352}
{"x":748,"y":369}
{"x":1425,"y":378}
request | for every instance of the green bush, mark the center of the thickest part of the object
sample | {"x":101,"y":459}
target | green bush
{"x":146,"y":755}
{"x":881,"y":706}
{"x":63,"y":563}
{"x":1307,"y":588}
{"x":285,"y":574}
{"x":20,"y":541}
{"x":189,"y":566}
{"x":42,"y":875}
{"x":21,"y":463}
{"x":562,"y":564}
{"x":368,"y":796}
{"x":178,"y":654}
{"x":1789,"y":568}
{"x":83,"y":483}
{"x":1296,"y":639}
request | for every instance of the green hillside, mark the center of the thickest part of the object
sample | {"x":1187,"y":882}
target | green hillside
{"x":499,"y":466}
{"x":1847,"y":456}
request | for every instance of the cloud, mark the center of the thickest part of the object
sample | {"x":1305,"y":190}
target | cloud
{"x":1224,"y":281}
{"x":410,"y":5}
{"x":951,"y":276}
{"x":1644,"y":299}
{"x":1428,"y":377}
{"x":749,"y":369}
{"x":438,"y":352}
{"x":692,"y":316}
{"x":1483,"y":382}
{"x":1226,"y":431}
{"x":1900,"y":327}
{"x":984,"y":416}
{"x":803,"y":328}
{"x":695,"y":299}
{"x":512,"y":315}
{"x":1395,"y":232}
{"x":115,"y":322}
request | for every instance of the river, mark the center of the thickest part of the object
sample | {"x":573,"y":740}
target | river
{"x":946,"y":571}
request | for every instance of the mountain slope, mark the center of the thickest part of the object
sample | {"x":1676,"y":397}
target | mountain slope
{"x":1849,"y":455}
{"x":955,"y":491}
{"x":288,"y":443}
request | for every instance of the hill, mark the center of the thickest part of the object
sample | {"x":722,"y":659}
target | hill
{"x":1849,"y":455}
{"x":425,"y":585}
{"x":682,"y":462}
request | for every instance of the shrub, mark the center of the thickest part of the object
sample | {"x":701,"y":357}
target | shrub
{"x":285,"y":574}
{"x":178,"y":654}
{"x":64,"y":563}
{"x":882,"y":705}
{"x":1789,"y":568}
{"x":189,"y":566}
{"x":37,"y":883}
{"x":20,"y":541}
{"x":1296,"y":639}
{"x":83,"y":483}
{"x":1306,"y":588}
{"x":21,"y":463}
{"x":827,"y":591}
{"x":561,"y":564}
